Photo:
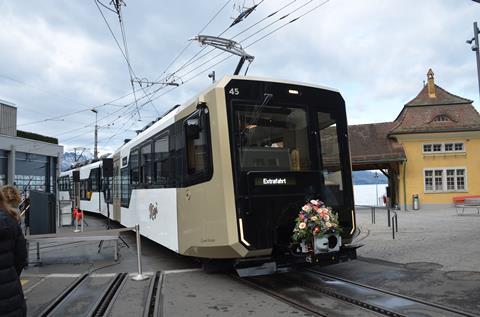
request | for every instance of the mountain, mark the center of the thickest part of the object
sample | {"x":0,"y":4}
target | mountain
{"x":69,"y":159}
{"x":368,"y":177}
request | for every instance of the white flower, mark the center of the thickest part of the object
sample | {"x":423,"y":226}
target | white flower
{"x":328,"y":224}
{"x":326,"y":217}
{"x":314,"y":202}
{"x":302,"y":225}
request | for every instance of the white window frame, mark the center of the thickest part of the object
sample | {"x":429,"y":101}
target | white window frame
{"x":444,"y":188}
{"x":442,"y":147}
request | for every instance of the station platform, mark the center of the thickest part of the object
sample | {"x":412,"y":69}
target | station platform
{"x":82,"y":278}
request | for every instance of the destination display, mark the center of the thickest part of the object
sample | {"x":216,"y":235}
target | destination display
{"x":269,"y":181}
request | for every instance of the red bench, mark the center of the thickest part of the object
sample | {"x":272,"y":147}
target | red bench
{"x":461,"y":199}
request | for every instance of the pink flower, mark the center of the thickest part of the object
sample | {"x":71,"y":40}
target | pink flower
{"x":324,"y":212}
{"x":316,"y":230}
{"x":306,"y":208}
{"x":302,"y":225}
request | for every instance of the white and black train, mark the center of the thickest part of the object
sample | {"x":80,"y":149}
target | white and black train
{"x":224,"y":175}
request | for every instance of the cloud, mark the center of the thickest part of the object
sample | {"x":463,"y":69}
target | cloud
{"x":375,"y":52}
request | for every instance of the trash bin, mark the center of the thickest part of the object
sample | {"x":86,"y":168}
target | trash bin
{"x":415,"y":202}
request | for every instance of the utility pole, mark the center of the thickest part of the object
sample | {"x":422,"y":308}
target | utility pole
{"x":95,"y":150}
{"x":475,"y":47}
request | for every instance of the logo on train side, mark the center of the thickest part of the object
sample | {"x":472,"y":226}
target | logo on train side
{"x":153,"y":210}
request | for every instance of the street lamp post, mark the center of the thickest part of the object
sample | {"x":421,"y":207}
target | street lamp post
{"x":376,"y":188}
{"x":95,"y":151}
{"x":475,"y":47}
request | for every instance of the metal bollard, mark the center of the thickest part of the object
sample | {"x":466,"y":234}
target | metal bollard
{"x":393,"y":229}
{"x":388,"y":216}
{"x":139,"y":276}
{"x":396,"y":223}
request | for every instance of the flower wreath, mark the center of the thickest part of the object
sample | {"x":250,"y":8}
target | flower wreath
{"x":315,"y":219}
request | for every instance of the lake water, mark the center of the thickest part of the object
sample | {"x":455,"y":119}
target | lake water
{"x":365,"y":194}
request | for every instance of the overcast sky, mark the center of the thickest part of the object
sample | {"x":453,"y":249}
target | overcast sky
{"x":58,"y":57}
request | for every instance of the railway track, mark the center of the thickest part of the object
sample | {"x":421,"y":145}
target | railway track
{"x":102,"y":295}
{"x":324,"y":295}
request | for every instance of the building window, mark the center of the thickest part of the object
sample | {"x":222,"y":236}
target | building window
{"x":443,"y":147}
{"x":428,"y":180}
{"x":445,"y":180}
{"x":441,"y":118}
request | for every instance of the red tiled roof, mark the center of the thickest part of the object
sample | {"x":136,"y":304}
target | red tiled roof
{"x":418,"y":115}
{"x":370,"y":143}
{"x":442,"y":97}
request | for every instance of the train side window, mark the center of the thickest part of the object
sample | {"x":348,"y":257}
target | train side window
{"x":198,"y":147}
{"x":84,"y":189}
{"x":146,"y":164}
{"x":125,"y":187}
{"x":94,"y":180}
{"x":133,"y":163}
{"x":70,"y":186}
{"x":161,"y":160}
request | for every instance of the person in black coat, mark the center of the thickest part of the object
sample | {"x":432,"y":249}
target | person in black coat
{"x":13,"y":256}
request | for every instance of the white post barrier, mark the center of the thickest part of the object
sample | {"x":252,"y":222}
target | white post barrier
{"x":76,"y":225}
{"x":140,"y":276}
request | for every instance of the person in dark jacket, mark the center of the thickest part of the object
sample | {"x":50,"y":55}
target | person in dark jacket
{"x":13,"y":256}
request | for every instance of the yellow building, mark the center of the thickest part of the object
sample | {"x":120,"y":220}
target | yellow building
{"x":433,"y":149}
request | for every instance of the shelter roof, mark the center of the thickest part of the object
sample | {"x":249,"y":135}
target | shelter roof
{"x":370,"y":143}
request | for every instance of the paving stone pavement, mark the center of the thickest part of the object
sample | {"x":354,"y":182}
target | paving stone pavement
{"x":439,"y":236}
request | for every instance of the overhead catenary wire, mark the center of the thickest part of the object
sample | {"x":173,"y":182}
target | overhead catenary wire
{"x":128,"y":63}
{"x":155,"y":94}
{"x":249,"y":44}
{"x":194,"y":58}
{"x":119,"y":46}
{"x":190,"y":42}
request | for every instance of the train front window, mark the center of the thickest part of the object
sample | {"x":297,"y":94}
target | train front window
{"x":272,"y":138}
{"x":330,"y":159}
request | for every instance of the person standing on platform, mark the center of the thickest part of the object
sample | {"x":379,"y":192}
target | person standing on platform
{"x":12,"y":196}
{"x":13,"y":257}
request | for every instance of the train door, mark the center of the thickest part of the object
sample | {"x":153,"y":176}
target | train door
{"x":116,"y":188}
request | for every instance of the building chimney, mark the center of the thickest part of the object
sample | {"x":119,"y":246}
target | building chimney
{"x":431,"y":84}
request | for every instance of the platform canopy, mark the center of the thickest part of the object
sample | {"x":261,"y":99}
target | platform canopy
{"x":371,"y":148}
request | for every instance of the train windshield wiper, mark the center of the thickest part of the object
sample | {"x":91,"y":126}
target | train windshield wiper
{"x":253,"y":121}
